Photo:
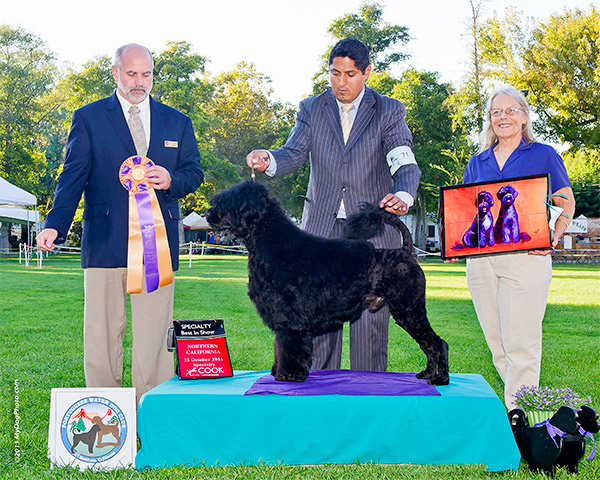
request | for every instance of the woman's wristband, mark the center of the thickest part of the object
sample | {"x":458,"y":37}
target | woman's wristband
{"x":561,"y":220}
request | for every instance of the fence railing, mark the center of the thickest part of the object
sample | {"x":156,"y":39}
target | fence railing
{"x":205,"y":247}
{"x":28,"y":252}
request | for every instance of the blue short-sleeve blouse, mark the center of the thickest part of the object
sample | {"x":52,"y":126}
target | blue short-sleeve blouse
{"x":527,"y":159}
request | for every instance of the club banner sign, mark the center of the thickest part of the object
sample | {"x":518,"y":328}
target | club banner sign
{"x":92,"y":428}
{"x":201,"y":349}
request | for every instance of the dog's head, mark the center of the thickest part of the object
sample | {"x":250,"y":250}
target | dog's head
{"x":239,"y":207}
{"x":565,"y":419}
{"x":518,"y":419}
{"x":484,"y":201}
{"x":507,"y":194}
{"x":588,"y":419}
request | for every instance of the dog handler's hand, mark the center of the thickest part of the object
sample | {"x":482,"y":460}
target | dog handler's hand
{"x":258,"y":160}
{"x":159,"y":177}
{"x":391,"y":203}
{"x":45,"y":240}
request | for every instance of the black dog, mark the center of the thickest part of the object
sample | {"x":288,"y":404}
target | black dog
{"x":88,"y":438}
{"x":303,"y":285}
{"x":481,"y":231}
{"x":507,"y":228}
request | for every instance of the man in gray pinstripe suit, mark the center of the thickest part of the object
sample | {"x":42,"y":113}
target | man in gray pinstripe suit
{"x":373,"y":163}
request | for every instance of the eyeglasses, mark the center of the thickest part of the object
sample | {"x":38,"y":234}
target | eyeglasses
{"x":510,"y":111}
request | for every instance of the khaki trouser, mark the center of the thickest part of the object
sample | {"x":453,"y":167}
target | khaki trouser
{"x":104,"y":328}
{"x":510,"y":293}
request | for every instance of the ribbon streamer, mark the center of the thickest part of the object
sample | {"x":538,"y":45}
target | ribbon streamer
{"x":552,"y":430}
{"x":148,"y":245}
{"x":585,"y":433}
{"x":552,"y":206}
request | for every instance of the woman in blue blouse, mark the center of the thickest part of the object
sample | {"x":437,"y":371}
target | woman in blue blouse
{"x":510,"y":291}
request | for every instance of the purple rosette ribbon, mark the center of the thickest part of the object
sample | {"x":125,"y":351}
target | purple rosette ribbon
{"x":146,"y":216}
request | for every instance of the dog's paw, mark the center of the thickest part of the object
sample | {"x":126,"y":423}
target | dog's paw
{"x":439,"y":380}
{"x":434,"y":379}
{"x":291,"y":377}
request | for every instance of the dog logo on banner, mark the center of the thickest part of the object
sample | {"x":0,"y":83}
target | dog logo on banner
{"x":147,"y":232}
{"x":93,"y":429}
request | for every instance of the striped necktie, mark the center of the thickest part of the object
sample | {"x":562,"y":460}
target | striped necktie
{"x":346,"y":124}
{"x":137,"y":131}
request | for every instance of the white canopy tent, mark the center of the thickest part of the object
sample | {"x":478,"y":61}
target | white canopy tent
{"x":13,"y":199}
{"x":196,"y":222}
{"x":11,"y":195}
{"x":19,"y":215}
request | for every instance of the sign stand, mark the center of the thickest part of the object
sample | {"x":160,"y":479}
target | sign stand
{"x":200,"y":349}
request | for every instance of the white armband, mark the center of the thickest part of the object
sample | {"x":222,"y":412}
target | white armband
{"x":399,"y":157}
{"x":406,"y":198}
{"x":272,"y":168}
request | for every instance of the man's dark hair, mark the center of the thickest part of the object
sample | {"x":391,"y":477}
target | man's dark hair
{"x":353,"y":49}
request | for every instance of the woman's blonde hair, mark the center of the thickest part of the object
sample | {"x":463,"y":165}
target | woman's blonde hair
{"x":487,"y":137}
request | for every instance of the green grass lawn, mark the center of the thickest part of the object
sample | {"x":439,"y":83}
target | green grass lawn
{"x":41,"y":315}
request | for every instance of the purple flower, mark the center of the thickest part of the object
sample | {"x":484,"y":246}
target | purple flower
{"x":546,"y":398}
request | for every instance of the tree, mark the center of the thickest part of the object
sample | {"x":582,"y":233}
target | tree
{"x":218,"y":175}
{"x":27,"y":74}
{"x":367,"y":26}
{"x":583,"y":167}
{"x":433,"y":137}
{"x":467,"y":103}
{"x":95,"y":81}
{"x":382,"y":82}
{"x":244,"y":115}
{"x":558,"y":64}
{"x":562,"y":73}
{"x":75,"y":90}
{"x":179,"y":82}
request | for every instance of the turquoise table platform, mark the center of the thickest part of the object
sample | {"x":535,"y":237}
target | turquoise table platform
{"x":211,"y":422}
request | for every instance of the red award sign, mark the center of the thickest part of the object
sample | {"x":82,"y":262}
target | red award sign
{"x":201,"y":349}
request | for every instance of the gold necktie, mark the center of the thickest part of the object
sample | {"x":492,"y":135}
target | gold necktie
{"x":137,"y":131}
{"x":346,"y":124}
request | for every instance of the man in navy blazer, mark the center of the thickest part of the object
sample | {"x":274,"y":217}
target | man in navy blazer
{"x":99,"y":141}
{"x":371,"y":160}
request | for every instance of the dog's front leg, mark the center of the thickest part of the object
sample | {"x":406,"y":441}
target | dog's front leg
{"x":293,"y":353}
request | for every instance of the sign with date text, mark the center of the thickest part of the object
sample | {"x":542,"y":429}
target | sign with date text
{"x":201,"y":349}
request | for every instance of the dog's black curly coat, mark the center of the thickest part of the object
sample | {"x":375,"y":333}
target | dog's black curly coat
{"x":303,"y":285}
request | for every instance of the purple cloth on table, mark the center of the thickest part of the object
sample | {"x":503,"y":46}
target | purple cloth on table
{"x":346,"y":382}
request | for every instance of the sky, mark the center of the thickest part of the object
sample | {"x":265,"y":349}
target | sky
{"x":284,"y":39}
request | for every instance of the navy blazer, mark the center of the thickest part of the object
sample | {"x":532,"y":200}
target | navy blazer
{"x":357,"y":171}
{"x":99,"y":142}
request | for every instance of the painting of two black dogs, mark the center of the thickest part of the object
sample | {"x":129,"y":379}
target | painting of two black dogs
{"x":303,"y":285}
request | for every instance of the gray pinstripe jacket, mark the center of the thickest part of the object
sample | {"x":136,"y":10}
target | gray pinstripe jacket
{"x":358,"y":171}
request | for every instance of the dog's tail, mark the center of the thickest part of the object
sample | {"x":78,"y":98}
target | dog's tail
{"x":371,"y":220}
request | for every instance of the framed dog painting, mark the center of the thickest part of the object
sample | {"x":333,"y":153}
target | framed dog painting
{"x":495,"y":217}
